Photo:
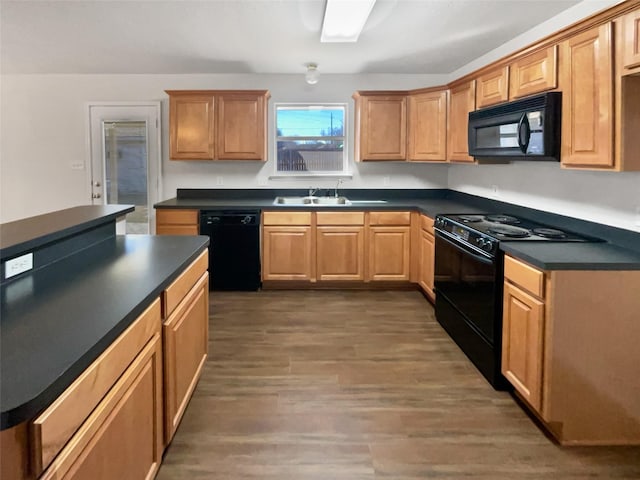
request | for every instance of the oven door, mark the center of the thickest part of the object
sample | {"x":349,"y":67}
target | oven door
{"x":467,"y":280}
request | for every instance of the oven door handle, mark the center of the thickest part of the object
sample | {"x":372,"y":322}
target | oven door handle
{"x":479,"y":256}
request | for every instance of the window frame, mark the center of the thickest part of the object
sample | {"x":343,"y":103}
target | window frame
{"x":346,"y":170}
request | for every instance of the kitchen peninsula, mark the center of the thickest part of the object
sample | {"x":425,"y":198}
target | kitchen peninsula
{"x":83,"y":340}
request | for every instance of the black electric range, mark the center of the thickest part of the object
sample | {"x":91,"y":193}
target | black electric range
{"x":469,"y":279}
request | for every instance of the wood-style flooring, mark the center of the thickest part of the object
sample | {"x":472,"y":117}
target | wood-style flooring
{"x":358,"y":385}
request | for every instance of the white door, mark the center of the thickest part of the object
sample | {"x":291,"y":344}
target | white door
{"x":124,"y":142}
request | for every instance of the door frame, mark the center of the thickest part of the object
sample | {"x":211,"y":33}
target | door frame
{"x":153,"y":165}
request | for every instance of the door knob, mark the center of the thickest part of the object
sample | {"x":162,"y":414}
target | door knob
{"x":96,"y":195}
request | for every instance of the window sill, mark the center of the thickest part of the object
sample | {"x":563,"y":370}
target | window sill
{"x":310,"y":175}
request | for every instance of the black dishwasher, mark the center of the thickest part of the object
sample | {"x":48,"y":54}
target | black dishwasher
{"x":234,"y":250}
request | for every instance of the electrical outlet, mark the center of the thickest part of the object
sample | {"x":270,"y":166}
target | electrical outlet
{"x":18,"y":265}
{"x":219,"y":180}
{"x":386,"y":181}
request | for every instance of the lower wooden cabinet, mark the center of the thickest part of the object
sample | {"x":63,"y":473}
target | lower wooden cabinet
{"x":427,"y":260}
{"x":522,"y":343}
{"x":122,"y":436}
{"x":286,"y":253}
{"x":389,"y":252}
{"x":176,"y":222}
{"x":340,"y":253}
{"x":186,"y":339}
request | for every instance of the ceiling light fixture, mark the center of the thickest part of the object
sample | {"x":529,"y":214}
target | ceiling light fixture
{"x":313,"y":75}
{"x":345,"y":19}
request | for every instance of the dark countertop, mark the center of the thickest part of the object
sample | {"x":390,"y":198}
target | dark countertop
{"x":57,"y":320}
{"x":33,"y":232}
{"x":617,"y":252}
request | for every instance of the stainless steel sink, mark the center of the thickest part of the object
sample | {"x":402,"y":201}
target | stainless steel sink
{"x":311,"y":201}
{"x":292,"y":200}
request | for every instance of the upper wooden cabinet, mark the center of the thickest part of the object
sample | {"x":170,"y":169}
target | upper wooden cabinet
{"x":381,"y":126}
{"x":492,"y":87}
{"x":428,"y":126}
{"x":191,"y":126}
{"x":631,"y":41}
{"x":462,"y":100}
{"x":236,"y":132}
{"x":242,"y":126}
{"x":587,"y":99}
{"x":534,"y":73}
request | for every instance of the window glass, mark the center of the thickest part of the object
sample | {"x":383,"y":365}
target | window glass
{"x":310,"y":139}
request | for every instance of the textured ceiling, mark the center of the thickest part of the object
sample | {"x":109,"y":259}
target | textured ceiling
{"x":254,"y":36}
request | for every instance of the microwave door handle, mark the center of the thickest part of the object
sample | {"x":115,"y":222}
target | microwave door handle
{"x":524,"y":133}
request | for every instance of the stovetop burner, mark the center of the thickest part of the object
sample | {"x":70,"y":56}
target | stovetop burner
{"x":549,"y":233}
{"x":509,"y":231}
{"x":502,"y":227}
{"x":471,"y":218}
{"x":501,"y":219}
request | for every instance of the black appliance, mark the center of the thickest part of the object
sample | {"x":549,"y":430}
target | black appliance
{"x":234,"y":249}
{"x":526,"y":129}
{"x":469,"y":279}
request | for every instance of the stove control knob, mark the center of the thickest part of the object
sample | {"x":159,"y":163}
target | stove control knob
{"x":487,"y":246}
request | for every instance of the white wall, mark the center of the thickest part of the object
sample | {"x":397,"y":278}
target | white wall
{"x":46,"y":134}
{"x":604,"y":197}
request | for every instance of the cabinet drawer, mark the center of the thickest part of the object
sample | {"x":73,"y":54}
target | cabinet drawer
{"x":176,"y":230}
{"x":340,"y":218}
{"x":524,"y":275}
{"x":286,"y":218}
{"x":174,"y":294}
{"x":53,"y":428}
{"x":426,"y":223}
{"x":389,"y":218}
{"x":177,"y":216}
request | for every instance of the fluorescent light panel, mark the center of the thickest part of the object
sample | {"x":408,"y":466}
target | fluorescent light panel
{"x":345,"y":19}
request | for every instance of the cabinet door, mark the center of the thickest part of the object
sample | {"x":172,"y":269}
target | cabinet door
{"x":587,"y":99}
{"x":492,"y":87}
{"x":122,"y":438}
{"x":522,"y":343}
{"x":534,"y":73}
{"x":631,"y":46}
{"x":340,"y":253}
{"x":427,"y":257}
{"x":461,"y":101}
{"x":389,"y":253}
{"x":286,"y":253}
{"x":428,"y":126}
{"x":186,"y":340}
{"x":241,"y":126}
{"x":191,"y":127}
{"x":382,"y":129}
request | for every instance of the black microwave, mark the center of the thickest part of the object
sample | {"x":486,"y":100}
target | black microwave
{"x":526,"y":129}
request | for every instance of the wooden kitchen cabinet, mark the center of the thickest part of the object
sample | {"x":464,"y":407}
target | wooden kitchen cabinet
{"x":534,"y":73}
{"x":122,"y":436}
{"x":427,"y":256}
{"x":587,"y":99}
{"x":381,"y":126}
{"x":218,"y":124}
{"x":185,"y":333}
{"x":340,"y":246}
{"x":462,"y":99}
{"x":287,"y":246}
{"x":242,"y":122}
{"x":191,"y":126}
{"x":427,"y":128}
{"x":557,"y":352}
{"x":522,"y":343}
{"x":492,"y":87}
{"x":176,"y":222}
{"x":389,"y":246}
{"x":631,"y":40}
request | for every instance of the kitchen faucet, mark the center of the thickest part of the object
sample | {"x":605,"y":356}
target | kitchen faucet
{"x":338,"y":186}
{"x":312,"y":191}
